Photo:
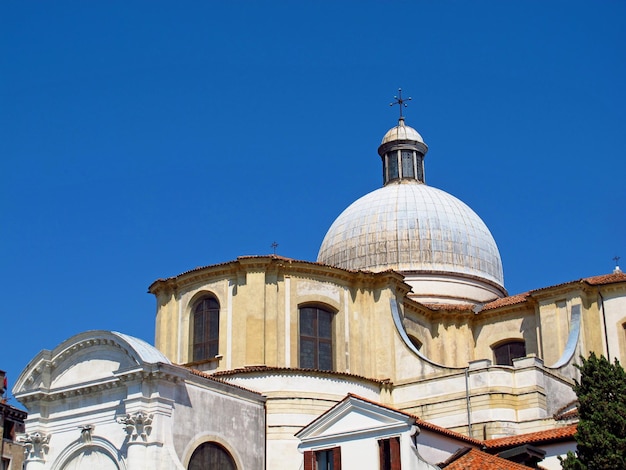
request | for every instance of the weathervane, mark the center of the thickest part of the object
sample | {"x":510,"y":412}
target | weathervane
{"x":616,"y":259}
{"x":400,"y":101}
{"x":274,"y":245}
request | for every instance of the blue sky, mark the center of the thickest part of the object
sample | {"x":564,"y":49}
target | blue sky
{"x":142,"y":139}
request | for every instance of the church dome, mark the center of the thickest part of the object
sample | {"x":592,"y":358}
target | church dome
{"x":412,"y":227}
{"x":441,"y":246}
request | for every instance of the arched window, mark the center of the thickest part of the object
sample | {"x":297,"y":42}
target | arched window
{"x":316,"y":342}
{"x":206,"y":328}
{"x":505,"y":352}
{"x":210,"y":456}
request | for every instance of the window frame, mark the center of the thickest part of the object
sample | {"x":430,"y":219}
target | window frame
{"x":212,"y":446}
{"x":316,"y":339}
{"x":497,"y":349}
{"x":389,"y":455}
{"x":332,"y":456}
{"x":206,"y":347}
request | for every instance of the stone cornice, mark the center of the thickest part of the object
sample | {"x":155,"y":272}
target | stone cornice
{"x":280,"y":266}
{"x":118,"y":380}
{"x":12,"y":413}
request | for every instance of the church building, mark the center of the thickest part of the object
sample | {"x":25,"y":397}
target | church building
{"x":398,"y":348}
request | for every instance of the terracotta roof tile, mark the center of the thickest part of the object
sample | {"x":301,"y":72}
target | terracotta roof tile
{"x":549,"y":435}
{"x":510,"y":300}
{"x":603,"y":279}
{"x":474,"y":459}
{"x":254,"y":369}
{"x":446,"y":432}
{"x":606,"y":279}
{"x":204,"y":375}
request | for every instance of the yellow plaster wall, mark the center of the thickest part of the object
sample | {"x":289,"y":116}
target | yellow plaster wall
{"x":502,"y":326}
{"x":263,"y":302}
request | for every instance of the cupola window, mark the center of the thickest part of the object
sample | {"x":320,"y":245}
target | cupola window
{"x":392,"y":166}
{"x":420,"y":168}
{"x":407,"y":164}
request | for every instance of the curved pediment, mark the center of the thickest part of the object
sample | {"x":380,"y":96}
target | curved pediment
{"x":87,"y":357}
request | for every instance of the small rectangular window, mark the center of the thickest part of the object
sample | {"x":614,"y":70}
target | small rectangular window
{"x":325,"y":459}
{"x":389,"y":454}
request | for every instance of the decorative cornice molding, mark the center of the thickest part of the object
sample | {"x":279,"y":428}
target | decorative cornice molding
{"x":275,"y":265}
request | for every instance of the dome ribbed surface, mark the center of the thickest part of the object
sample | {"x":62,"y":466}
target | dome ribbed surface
{"x":412,"y":227}
{"x":402,"y":132}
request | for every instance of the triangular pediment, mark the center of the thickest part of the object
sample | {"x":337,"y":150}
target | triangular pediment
{"x":355,"y":415}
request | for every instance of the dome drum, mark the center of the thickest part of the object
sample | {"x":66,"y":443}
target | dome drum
{"x":421,"y":147}
{"x":451,"y":288}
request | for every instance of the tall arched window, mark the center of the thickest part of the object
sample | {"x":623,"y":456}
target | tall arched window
{"x":505,"y":352}
{"x":316,"y":339}
{"x":211,"y":456}
{"x":206,"y":328}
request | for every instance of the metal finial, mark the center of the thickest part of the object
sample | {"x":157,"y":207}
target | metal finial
{"x":616,"y":259}
{"x":401,"y":102}
{"x":274,"y":245}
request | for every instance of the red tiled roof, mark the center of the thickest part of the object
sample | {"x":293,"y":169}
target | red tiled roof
{"x":446,"y":432}
{"x":603,"y":279}
{"x":556,"y":434}
{"x":379,"y":274}
{"x":606,"y":279}
{"x":204,"y":375}
{"x":254,"y":369}
{"x":511,"y":300}
{"x":600,"y":280}
{"x":475,"y":459}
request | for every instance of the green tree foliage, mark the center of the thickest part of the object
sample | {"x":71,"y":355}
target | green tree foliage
{"x":601,"y":432}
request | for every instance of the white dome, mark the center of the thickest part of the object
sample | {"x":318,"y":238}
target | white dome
{"x":402,"y":132}
{"x":413,"y":228}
